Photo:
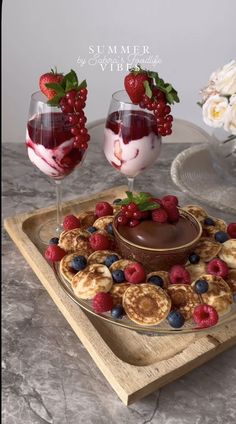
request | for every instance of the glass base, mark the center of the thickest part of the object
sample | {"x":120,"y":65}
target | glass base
{"x":48,"y":230}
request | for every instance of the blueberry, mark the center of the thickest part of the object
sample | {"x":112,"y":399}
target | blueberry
{"x":110,"y":259}
{"x":117,"y":311}
{"x":155,"y":279}
{"x":110,"y":229}
{"x":221,"y":236}
{"x":194,"y":258}
{"x":201,"y":286}
{"x":175,"y":319}
{"x":118,"y":276}
{"x":54,"y":240}
{"x":78,"y":263}
{"x":116,"y":201}
{"x":91,"y":229}
{"x":234,"y":297}
{"x":209,"y":221}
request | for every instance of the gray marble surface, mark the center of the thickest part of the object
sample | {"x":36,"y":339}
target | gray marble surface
{"x":48,"y":376}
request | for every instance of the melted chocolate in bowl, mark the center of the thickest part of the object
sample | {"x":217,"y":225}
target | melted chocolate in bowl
{"x":160,"y":236}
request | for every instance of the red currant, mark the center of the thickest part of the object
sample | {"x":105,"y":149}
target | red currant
{"x":71,"y":95}
{"x":149,"y":105}
{"x":84,"y":145}
{"x":169,"y":118}
{"x":73,"y":119}
{"x":123,"y":208}
{"x":137,"y":215}
{"x":128,"y":214}
{"x":146,"y":99}
{"x":160,"y":95}
{"x":78,"y":105}
{"x":168,"y":131}
{"x":82,"y":120}
{"x":84,"y":138}
{"x":122,"y":220}
{"x":132,"y":207}
{"x":84,"y":91}
{"x":167,"y":110}
{"x":160,"y":106}
{"x":162,"y":131}
{"x":160,"y":120}
{"x":83,"y":131}
{"x":166,"y":125}
{"x":134,"y":222}
{"x":66,"y":108}
{"x":75,"y":130}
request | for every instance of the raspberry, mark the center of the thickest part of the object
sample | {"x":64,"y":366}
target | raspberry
{"x":103,"y":209}
{"x":205,"y":316}
{"x":171,"y":210}
{"x":159,"y":215}
{"x":172,"y":199}
{"x":99,"y":242}
{"x":54,"y":253}
{"x":179,"y":275}
{"x":135,"y":273}
{"x":231,"y":230}
{"x":218,"y":267}
{"x":102,"y":302}
{"x":70,"y":222}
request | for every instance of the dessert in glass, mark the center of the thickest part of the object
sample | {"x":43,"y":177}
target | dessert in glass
{"x":138,"y":118}
{"x":56,"y":137}
{"x":131,"y":141}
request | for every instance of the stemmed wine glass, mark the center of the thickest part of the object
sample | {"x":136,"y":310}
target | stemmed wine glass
{"x":131,"y":140}
{"x":52,"y":148}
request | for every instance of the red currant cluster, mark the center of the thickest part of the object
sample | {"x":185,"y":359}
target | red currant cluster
{"x":72,"y":105}
{"x":161,"y":110}
{"x":131,"y":215}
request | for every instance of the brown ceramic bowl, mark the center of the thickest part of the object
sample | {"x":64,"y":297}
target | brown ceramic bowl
{"x":158,"y":259}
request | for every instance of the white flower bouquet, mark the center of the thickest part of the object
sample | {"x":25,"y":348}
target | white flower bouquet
{"x":219,"y":99}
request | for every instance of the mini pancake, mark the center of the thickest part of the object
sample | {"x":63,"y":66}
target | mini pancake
{"x":183,"y":298}
{"x":93,"y":279}
{"x":65,"y":265}
{"x":231,"y":280}
{"x":207,"y":249}
{"x":121,"y":264}
{"x":196,"y":270}
{"x":87,"y":218}
{"x":103,"y":222}
{"x":196,"y":211}
{"x":163,"y":274}
{"x":146,"y":304}
{"x":117,"y":291}
{"x":99,"y":256}
{"x":75,"y":240}
{"x":228,"y":253}
{"x":218,"y":295}
{"x":210,"y":230}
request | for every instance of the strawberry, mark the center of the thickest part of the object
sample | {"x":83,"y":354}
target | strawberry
{"x":134,"y":85}
{"x":48,"y":78}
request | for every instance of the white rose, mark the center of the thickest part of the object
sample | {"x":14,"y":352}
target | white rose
{"x":230,"y":117}
{"x":214,"y":110}
{"x":224,"y":79}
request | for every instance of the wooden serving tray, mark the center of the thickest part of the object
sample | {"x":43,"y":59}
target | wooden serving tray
{"x":134,"y":364}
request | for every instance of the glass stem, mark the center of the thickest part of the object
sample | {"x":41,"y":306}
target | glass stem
{"x":59,"y":207}
{"x":131,"y":184}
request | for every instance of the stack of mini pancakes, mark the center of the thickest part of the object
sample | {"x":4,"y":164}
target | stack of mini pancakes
{"x":146,"y":303}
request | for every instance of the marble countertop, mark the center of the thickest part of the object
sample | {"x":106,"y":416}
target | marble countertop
{"x":48,"y":376}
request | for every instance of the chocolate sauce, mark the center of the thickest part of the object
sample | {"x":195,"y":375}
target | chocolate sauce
{"x":160,"y":236}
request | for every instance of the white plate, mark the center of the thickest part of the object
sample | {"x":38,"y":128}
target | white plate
{"x":193,"y":172}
